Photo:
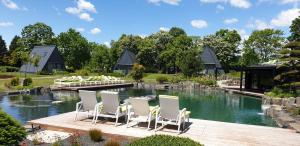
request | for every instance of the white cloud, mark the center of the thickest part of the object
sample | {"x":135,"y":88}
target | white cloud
{"x":243,"y":34}
{"x":95,"y":30}
{"x":85,"y":5}
{"x":80,"y":29}
{"x":289,"y":1}
{"x":107,"y":44}
{"x":6,"y":24}
{"x":171,"y":2}
{"x":231,"y":21}
{"x":86,"y":17}
{"x":259,"y":24}
{"x":245,"y":4}
{"x":164,"y":29}
{"x":82,"y":9}
{"x":198,"y":23}
{"x":240,"y":3}
{"x":285,"y":18}
{"x":10,"y":4}
{"x":73,"y":10}
{"x":220,"y":7}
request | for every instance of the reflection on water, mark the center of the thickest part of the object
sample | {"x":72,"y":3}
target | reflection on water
{"x":204,"y":104}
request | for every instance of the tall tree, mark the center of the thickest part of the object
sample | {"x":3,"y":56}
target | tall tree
{"x":148,"y":55}
{"x":74,"y":48}
{"x":100,"y":59}
{"x":176,"y":31}
{"x":3,"y":47}
{"x":289,"y":70}
{"x":37,"y":34}
{"x":15,"y":43}
{"x":295,"y":30}
{"x":189,"y":61}
{"x":265,"y":43}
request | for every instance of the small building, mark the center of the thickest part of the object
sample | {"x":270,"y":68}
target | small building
{"x":126,"y":61}
{"x":50,"y":60}
{"x":210,"y":61}
{"x":260,"y":77}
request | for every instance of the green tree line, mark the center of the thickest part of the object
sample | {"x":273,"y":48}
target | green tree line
{"x":163,"y":51}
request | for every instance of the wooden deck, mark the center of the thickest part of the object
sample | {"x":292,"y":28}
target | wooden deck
{"x":206,"y":132}
{"x":93,"y":87}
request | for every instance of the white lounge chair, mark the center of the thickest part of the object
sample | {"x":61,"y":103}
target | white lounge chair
{"x":88,"y":103}
{"x":140,"y":111}
{"x":111,"y":107}
{"x":169,"y":112}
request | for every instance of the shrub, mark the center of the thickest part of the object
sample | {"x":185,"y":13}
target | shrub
{"x":60,"y":72}
{"x":15,"y":81}
{"x":279,"y":93}
{"x":137,"y":72}
{"x":82,"y":72}
{"x":95,"y":135}
{"x":116,"y":74}
{"x":176,"y":79}
{"x":164,"y":140}
{"x":161,"y":79}
{"x":205,"y":80}
{"x":8,"y":69}
{"x":27,"y":81}
{"x":11,"y":131}
{"x":112,"y":142}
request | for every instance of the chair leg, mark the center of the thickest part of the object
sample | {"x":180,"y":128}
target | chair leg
{"x":178,"y":128}
{"x":149,"y":121}
{"x":75,"y":119}
{"x":128,"y":118}
{"x":116,"y":120}
{"x":156,"y":124}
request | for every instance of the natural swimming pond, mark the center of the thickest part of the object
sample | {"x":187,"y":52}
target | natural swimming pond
{"x":205,"y":104}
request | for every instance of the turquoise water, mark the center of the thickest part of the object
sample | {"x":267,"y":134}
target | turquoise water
{"x":204,"y":104}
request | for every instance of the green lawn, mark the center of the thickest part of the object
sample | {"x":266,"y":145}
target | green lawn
{"x":151,"y":77}
{"x":38,"y":80}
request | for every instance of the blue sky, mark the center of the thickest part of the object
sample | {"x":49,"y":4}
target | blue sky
{"x":104,"y":20}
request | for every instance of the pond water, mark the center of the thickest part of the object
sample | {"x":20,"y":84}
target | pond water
{"x":204,"y":104}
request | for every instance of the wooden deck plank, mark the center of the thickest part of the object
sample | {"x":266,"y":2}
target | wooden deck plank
{"x":204,"y":131}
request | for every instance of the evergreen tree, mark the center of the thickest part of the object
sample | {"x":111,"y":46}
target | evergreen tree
{"x":289,"y":71}
{"x":14,"y":44}
{"x":3,"y":48}
{"x":295,"y":30}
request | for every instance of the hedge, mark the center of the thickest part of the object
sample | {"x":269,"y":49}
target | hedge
{"x":164,"y":140}
{"x":11,"y":131}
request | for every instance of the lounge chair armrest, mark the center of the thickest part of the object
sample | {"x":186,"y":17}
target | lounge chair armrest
{"x":154,"y":109}
{"x":182,"y":112}
{"x":78,"y":105}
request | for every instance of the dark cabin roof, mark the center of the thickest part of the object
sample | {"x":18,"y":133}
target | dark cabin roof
{"x":261,"y":67}
{"x":44,"y":52}
{"x":209,"y":57}
{"x":127,"y":59}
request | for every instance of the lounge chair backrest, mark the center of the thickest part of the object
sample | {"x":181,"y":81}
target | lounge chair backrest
{"x":169,"y":106}
{"x":88,"y":99}
{"x":110,"y":101}
{"x":140,"y":106}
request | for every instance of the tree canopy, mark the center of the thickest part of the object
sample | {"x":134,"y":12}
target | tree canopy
{"x":265,"y":43}
{"x":37,"y":34}
{"x":295,"y":30}
{"x":74,"y":48}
